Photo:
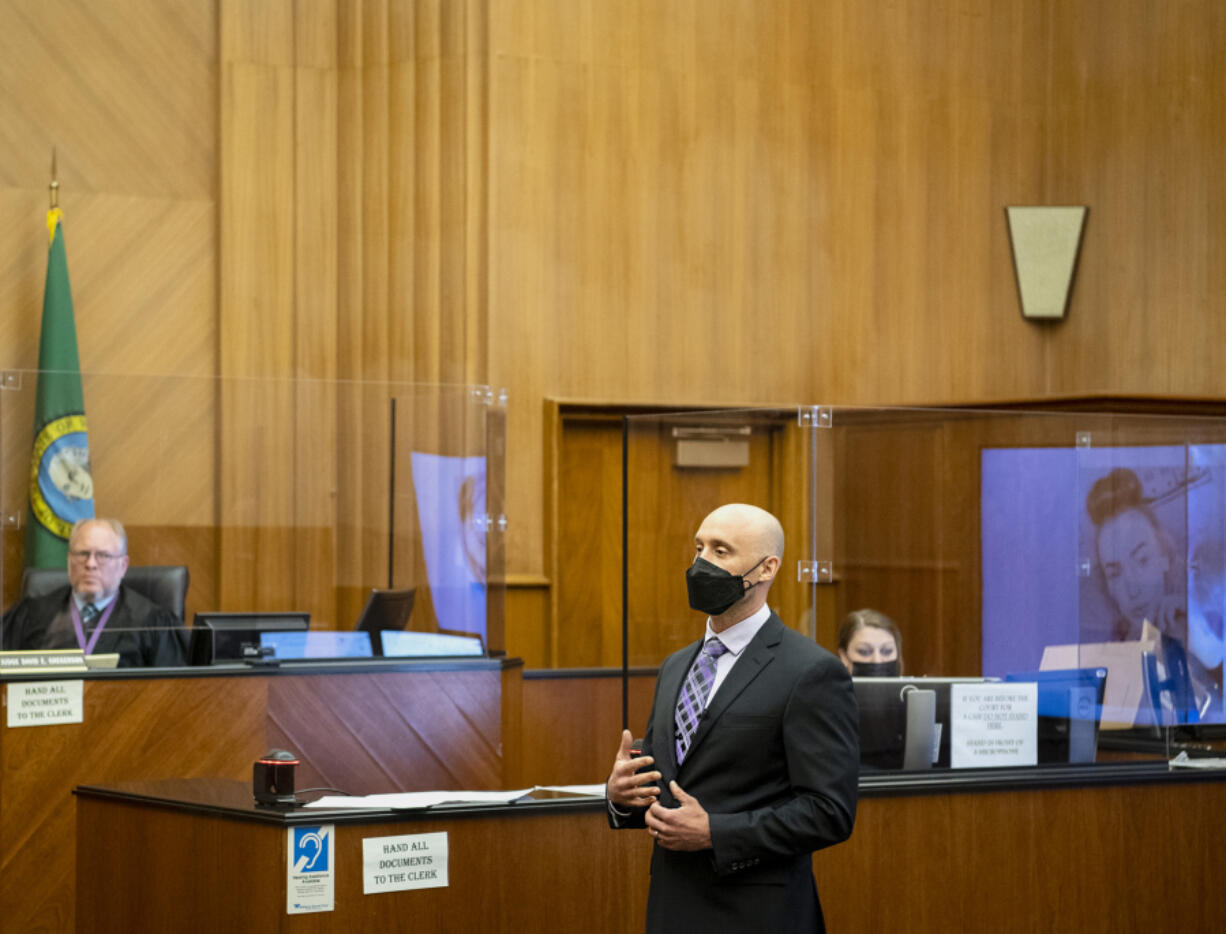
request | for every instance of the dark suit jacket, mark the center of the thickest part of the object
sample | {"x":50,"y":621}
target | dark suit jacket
{"x":143,"y":633}
{"x":775,"y":763}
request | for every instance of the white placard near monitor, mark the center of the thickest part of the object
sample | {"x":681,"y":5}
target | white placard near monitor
{"x":993,"y":725}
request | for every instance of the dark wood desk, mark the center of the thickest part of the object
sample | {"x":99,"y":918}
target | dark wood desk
{"x":365,"y":727}
{"x":199,"y":856}
{"x":1117,"y":849}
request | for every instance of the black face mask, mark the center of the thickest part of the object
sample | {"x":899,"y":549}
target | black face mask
{"x":875,"y":669}
{"x":712,"y":589}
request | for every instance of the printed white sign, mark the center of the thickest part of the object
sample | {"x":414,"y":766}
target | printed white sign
{"x":310,"y":875}
{"x":394,"y":864}
{"x":993,"y":725}
{"x":40,"y":703}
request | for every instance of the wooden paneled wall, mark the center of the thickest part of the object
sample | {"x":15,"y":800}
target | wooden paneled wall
{"x":125,"y":93}
{"x":675,"y":202}
{"x":698,"y":201}
{"x":351,"y":180}
{"x":282,"y":195}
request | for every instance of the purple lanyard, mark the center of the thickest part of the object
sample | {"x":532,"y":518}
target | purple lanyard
{"x":88,"y":649}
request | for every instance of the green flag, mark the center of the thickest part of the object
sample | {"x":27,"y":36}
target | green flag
{"x":61,"y":488}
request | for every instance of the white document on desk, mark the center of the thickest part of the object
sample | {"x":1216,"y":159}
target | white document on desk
{"x":594,"y":791}
{"x":416,"y":800}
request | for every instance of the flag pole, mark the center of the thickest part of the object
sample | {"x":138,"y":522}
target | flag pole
{"x":55,"y":184}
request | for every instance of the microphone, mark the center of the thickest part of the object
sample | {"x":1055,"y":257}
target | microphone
{"x":638,"y":748}
{"x":272,"y":778}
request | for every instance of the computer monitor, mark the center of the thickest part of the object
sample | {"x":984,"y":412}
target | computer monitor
{"x":435,"y":644}
{"x":219,"y":638}
{"x":1070,"y":708}
{"x":385,"y":610}
{"x":316,"y":644}
{"x":883,"y":703}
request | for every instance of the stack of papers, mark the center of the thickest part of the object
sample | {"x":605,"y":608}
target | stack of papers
{"x":1184,"y":761}
{"x":415,"y":800}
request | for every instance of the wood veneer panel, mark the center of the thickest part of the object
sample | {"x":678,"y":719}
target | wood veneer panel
{"x":376,"y":733}
{"x":135,"y":729}
{"x":214,"y":876}
{"x":572,"y":726}
{"x":1093,"y":859}
{"x":666,"y":504}
{"x":546,"y":873}
{"x":1012,"y":861}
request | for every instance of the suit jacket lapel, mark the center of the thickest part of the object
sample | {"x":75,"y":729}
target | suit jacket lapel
{"x":664,"y":746}
{"x":757,"y":656}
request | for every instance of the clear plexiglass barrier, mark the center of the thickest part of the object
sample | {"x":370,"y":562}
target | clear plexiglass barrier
{"x":1007,"y":587}
{"x":264,"y":519}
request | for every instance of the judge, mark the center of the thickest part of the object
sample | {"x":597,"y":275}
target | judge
{"x":95,"y":612}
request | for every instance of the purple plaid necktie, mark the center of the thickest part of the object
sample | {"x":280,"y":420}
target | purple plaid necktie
{"x":694,"y":694}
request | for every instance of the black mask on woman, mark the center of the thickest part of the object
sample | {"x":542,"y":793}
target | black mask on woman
{"x":875,"y":669}
{"x":712,"y":589}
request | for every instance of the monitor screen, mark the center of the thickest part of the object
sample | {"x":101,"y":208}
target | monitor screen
{"x":219,"y":638}
{"x":410,"y":644}
{"x":1083,"y":546}
{"x":883,"y":718}
{"x":1070,"y":709}
{"x":317,"y":644}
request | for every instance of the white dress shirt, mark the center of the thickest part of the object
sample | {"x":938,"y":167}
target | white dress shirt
{"x":734,"y":638}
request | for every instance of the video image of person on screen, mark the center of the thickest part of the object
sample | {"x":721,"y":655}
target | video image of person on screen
{"x":95,"y":611}
{"x":1140,"y":566}
{"x":1137,"y":563}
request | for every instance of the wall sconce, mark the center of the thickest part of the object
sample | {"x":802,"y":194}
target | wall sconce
{"x":1046,"y":242}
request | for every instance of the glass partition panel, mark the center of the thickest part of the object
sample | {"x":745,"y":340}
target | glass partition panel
{"x":681,"y":466}
{"x":372,"y":509}
{"x":1060,"y":567}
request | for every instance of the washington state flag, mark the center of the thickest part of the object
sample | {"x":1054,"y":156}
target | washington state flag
{"x":61,"y":487}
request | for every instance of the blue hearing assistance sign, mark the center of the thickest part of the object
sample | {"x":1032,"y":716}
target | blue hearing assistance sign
{"x":61,"y":485}
{"x":309,"y":883}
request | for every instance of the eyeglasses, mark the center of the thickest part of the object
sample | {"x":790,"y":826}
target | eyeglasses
{"x":102,"y":557}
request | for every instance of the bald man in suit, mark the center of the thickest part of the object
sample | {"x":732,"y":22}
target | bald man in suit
{"x":751,"y":754}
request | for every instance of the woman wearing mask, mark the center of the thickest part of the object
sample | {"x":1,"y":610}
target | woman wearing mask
{"x":870,"y":645}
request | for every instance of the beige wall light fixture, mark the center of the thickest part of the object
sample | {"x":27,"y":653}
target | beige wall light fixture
{"x":1046,"y":241}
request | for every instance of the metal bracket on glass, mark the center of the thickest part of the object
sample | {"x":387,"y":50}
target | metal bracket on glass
{"x":12,"y":520}
{"x":10,"y":379}
{"x":814,"y":416}
{"x":815,"y":572}
{"x":487,"y":523}
{"x":487,"y":395}
{"x":1083,"y":568}
{"x":1085,"y":439}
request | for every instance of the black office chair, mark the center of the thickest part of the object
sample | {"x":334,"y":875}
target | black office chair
{"x":164,"y":584}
